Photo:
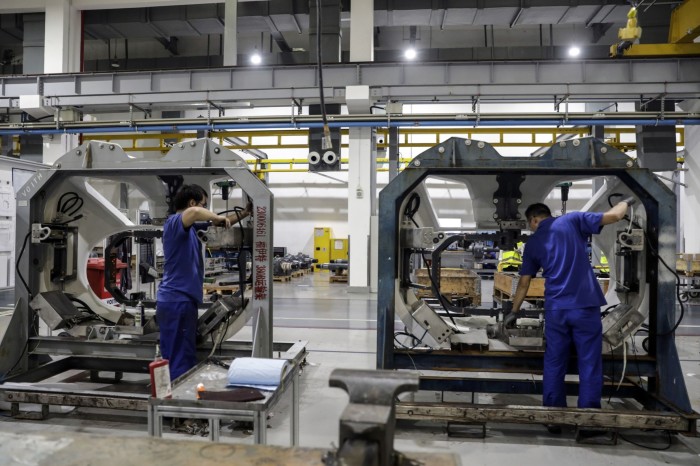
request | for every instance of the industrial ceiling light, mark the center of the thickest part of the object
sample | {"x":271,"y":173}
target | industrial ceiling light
{"x":574,"y":51}
{"x":410,"y":54}
{"x":256,"y":59}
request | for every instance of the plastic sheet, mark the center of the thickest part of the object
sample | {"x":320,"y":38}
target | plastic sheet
{"x":261,"y":373}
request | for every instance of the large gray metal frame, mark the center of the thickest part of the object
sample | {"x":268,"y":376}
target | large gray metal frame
{"x":198,"y":161}
{"x":605,"y":80}
{"x":456,"y":157}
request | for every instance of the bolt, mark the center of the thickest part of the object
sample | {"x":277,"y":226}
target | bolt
{"x":58,"y":165}
{"x":577,"y":143}
{"x":217,"y":150}
{"x":192,"y":143}
{"x":481,"y":145}
{"x":441,"y":150}
{"x":111,"y":147}
{"x":416,"y":163}
{"x":562,"y":144}
{"x":495,"y":201}
{"x":518,"y":201}
{"x":603,"y":150}
{"x":101,"y":146}
{"x":495,"y":215}
{"x":629,"y":164}
{"x":77,"y":152}
{"x":181,"y":146}
{"x":468,"y":142}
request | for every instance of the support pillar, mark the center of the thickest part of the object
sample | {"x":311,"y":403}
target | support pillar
{"x":361,"y":30}
{"x":231,"y":33}
{"x":61,"y":37}
{"x":690,"y":195}
{"x":362,"y":205}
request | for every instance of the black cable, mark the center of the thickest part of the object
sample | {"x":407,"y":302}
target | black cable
{"x":17,"y":268}
{"x":19,"y":359}
{"x":72,"y":205}
{"x":412,"y":207}
{"x":678,"y":285}
{"x":319,"y":62}
{"x":670,"y":442}
{"x":446,"y":303}
{"x":415,"y":340}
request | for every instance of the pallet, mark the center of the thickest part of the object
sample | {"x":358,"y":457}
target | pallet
{"x":282,"y":278}
{"x":221,"y":289}
{"x":297,"y":273}
{"x":453,"y":283}
{"x":338,"y":279}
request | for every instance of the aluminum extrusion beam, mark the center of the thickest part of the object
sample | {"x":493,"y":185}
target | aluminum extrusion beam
{"x":528,"y":81}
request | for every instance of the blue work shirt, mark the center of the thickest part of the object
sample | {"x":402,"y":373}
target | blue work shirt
{"x":559,"y":248}
{"x":183,"y":273}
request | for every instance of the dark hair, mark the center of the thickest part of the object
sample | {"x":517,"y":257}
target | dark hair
{"x":187,"y":193}
{"x":537,"y":210}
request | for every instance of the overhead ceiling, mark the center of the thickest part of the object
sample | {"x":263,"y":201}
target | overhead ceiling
{"x":286,"y":24}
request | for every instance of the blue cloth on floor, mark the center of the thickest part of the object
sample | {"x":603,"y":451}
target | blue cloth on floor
{"x":261,"y":373}
{"x":583,"y":327}
{"x":178,"y":335}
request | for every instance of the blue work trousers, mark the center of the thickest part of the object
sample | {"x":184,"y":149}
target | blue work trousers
{"x":583,"y":327}
{"x":178,"y":335}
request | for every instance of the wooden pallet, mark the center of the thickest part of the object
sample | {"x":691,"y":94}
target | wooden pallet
{"x":297,"y":273}
{"x":221,"y":289}
{"x":453,"y":283}
{"x":338,"y":279}
{"x":282,"y":278}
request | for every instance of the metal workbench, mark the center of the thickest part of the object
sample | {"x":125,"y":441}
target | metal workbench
{"x":184,"y":403}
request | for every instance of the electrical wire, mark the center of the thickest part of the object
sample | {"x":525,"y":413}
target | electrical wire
{"x":416,"y":341}
{"x":319,"y":62}
{"x":412,"y":207}
{"x":17,"y":268}
{"x":670,"y":442}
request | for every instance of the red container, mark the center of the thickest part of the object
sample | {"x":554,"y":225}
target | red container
{"x":160,"y":378}
{"x":96,"y":276}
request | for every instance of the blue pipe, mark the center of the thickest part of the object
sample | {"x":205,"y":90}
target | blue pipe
{"x":354,"y":124}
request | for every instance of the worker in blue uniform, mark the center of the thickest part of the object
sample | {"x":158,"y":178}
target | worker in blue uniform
{"x":572,"y":298}
{"x":180,"y":292}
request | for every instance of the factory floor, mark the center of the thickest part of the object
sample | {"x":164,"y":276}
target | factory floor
{"x":340,"y":328}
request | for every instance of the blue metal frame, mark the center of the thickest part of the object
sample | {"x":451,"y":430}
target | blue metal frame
{"x":585,"y":156}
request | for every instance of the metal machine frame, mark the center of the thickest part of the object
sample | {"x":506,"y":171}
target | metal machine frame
{"x":586,"y":157}
{"x":26,"y":355}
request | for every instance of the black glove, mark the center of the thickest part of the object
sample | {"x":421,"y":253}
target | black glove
{"x":629,"y":200}
{"x":509,"y":321}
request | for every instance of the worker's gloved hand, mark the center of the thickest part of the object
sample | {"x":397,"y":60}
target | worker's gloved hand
{"x":509,"y":321}
{"x":629,"y":200}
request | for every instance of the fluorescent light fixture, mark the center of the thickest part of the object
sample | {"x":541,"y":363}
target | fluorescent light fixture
{"x":410,"y":53}
{"x":574,"y":51}
{"x":256,"y":59}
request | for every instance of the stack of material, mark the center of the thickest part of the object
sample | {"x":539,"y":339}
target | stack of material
{"x":454,"y":283}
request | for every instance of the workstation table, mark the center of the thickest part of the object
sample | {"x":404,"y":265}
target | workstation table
{"x":184,"y":402}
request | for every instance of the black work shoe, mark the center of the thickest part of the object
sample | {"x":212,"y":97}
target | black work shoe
{"x":553,"y":429}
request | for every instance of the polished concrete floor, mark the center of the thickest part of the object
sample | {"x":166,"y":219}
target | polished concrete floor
{"x":340,"y":328}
